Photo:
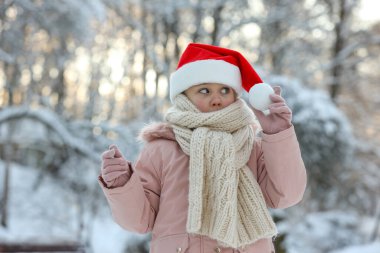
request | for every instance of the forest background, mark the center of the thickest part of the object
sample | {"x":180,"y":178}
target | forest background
{"x":76,"y":76}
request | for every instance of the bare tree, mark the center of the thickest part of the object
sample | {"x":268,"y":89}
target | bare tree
{"x":341,"y":15}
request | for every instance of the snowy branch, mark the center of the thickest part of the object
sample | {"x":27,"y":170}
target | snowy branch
{"x":352,"y":48}
{"x":49,"y":119}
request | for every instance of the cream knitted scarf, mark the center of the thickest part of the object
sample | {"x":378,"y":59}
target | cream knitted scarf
{"x":225,"y":200}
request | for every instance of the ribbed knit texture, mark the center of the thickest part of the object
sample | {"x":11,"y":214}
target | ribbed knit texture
{"x":225,"y":200}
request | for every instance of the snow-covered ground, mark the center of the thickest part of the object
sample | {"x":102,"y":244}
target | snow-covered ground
{"x":47,"y":212}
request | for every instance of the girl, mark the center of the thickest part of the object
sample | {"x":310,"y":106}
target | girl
{"x":205,"y":179}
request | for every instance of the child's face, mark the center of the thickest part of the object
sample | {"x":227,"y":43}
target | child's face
{"x":209,"y":97}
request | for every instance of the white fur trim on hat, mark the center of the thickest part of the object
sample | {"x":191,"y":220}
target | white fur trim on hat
{"x":259,"y":97}
{"x":205,"y":71}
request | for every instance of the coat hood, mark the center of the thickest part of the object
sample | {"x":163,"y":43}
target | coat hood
{"x":157,"y":130}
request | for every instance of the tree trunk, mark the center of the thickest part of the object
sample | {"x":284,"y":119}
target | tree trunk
{"x":198,"y":22}
{"x":338,"y":46}
{"x":61,"y":87}
{"x":217,"y":22}
{"x":377,"y":224}
{"x":7,"y":171}
{"x":7,"y":154}
{"x":4,"y":199}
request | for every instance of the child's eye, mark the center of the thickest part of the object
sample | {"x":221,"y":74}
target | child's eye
{"x":226,"y":90}
{"x":204,"y":91}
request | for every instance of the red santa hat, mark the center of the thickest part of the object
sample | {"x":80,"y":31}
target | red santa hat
{"x":202,"y":63}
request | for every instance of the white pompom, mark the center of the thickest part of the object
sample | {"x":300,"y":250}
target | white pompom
{"x":259,"y":97}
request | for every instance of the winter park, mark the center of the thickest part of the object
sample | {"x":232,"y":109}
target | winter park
{"x":87,"y":86}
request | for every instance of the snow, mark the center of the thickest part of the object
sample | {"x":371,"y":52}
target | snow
{"x":63,"y":204}
{"x":368,"y":248}
{"x":44,"y":206}
{"x":107,"y":235}
{"x":50,"y":213}
{"x":50,"y":119}
{"x":326,"y":231}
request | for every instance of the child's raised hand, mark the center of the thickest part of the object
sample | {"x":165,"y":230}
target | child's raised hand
{"x":115,"y":168}
{"x":280,"y":115}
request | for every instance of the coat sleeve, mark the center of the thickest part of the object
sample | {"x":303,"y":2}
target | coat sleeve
{"x":134,"y":206}
{"x":279,"y":168}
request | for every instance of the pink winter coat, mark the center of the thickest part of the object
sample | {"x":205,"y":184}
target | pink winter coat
{"x":155,"y":199}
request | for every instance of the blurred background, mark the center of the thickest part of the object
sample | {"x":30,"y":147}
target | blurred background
{"x":76,"y":76}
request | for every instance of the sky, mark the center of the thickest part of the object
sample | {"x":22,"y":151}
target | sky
{"x":369,"y":10}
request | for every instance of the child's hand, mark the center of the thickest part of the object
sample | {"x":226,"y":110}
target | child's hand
{"x":280,"y":115}
{"x":115,"y":168}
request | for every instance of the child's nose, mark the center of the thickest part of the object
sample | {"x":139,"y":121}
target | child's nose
{"x":216,"y":101}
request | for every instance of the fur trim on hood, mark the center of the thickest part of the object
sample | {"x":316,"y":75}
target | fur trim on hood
{"x":156,"y":130}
